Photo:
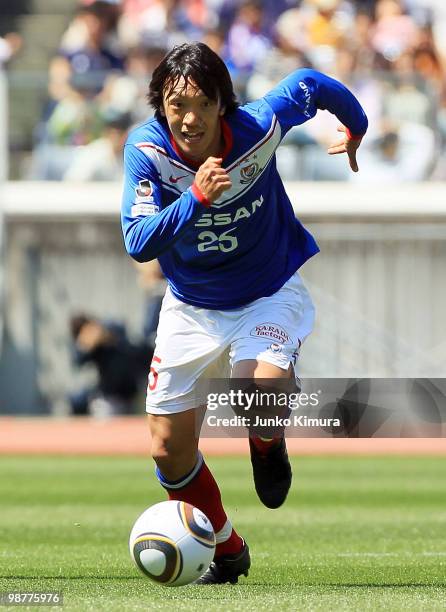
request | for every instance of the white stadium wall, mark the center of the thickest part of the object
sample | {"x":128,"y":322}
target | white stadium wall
{"x":378,"y":283}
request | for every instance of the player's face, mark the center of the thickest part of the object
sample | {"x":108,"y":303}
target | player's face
{"x":194,"y":120}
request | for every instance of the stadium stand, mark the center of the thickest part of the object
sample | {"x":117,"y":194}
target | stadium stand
{"x":390,"y":52}
{"x":41,"y":24}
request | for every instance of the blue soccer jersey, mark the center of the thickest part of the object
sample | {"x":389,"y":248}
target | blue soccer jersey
{"x":248,"y":243}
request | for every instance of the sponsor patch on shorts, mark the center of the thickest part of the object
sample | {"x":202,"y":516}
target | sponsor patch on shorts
{"x":144,"y":210}
{"x":273,"y":331}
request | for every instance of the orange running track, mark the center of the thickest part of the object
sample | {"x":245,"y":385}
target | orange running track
{"x":130,"y":436}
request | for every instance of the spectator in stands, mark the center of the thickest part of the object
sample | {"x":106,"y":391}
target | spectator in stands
{"x":10,"y":44}
{"x":403,"y":153}
{"x":76,"y":75}
{"x":360,"y":45}
{"x":144,"y":22}
{"x":101,"y":159}
{"x":394,"y":31}
{"x":431,"y":70}
{"x":431,"y":14}
{"x":353,"y":67}
{"x":75,"y":119}
{"x":72,"y":121}
{"x":127,"y":92}
{"x":247,"y":44}
{"x":404,"y":101}
{"x":225,"y":12}
{"x":281,"y":59}
{"x":190,"y":19}
{"x":84,"y":45}
{"x":121,"y":366}
{"x":428,"y":67}
{"x":291,"y":29}
{"x":328,"y":25}
{"x":109,"y":12}
{"x":214,"y":38}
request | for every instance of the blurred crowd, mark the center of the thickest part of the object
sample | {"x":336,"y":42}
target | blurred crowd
{"x":390,"y":53}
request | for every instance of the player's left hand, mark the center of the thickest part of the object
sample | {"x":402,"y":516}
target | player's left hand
{"x":346,"y":145}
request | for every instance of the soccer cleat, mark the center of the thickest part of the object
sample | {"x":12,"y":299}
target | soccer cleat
{"x":272,"y":474}
{"x":227,"y":568}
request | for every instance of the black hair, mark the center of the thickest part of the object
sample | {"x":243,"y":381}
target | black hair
{"x":194,"y":62}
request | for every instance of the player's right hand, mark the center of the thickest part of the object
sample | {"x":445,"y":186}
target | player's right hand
{"x":211,"y":179}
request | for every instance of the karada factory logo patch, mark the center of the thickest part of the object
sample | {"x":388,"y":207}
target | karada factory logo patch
{"x":273,"y":331}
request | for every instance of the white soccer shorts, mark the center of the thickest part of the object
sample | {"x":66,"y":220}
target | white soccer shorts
{"x":194,"y":343}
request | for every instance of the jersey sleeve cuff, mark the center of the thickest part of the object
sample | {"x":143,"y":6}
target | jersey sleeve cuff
{"x":200,"y":196}
{"x":351,"y":136}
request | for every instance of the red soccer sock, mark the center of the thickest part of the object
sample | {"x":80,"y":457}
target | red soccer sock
{"x":201,"y":490}
{"x":231,"y":546}
{"x":264,"y":445}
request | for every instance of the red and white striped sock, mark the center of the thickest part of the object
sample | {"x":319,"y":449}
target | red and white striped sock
{"x":200,"y":489}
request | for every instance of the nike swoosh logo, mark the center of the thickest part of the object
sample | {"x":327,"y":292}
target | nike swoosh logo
{"x":175,"y":179}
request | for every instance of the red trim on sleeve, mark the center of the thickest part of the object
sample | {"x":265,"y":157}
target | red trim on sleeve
{"x":351,"y":136}
{"x":200,"y":196}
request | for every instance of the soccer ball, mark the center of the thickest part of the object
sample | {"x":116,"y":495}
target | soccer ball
{"x":172,"y":543}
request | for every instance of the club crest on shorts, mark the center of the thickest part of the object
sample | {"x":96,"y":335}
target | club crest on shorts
{"x":248,"y":173}
{"x":273,"y":331}
{"x":275,"y":348}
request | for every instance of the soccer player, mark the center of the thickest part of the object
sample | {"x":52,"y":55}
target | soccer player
{"x":202,"y":195}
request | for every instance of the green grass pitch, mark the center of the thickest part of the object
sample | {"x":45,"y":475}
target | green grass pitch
{"x":356,"y":533}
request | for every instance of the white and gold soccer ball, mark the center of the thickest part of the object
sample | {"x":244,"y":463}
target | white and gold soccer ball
{"x":173,"y":543}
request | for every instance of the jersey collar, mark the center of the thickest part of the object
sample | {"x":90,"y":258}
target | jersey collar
{"x":227,"y":139}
